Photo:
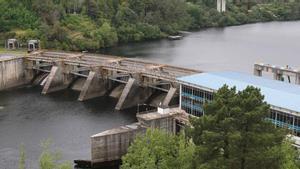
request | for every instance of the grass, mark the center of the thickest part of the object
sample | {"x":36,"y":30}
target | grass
{"x":15,"y":52}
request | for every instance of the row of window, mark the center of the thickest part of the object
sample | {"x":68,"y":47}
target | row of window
{"x":286,"y":120}
{"x":192,"y":100}
{"x":197,"y":93}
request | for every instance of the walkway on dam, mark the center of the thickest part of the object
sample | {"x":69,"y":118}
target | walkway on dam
{"x":132,"y":81}
{"x":121,"y":64}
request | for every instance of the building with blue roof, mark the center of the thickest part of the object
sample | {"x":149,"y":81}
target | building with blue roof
{"x":284,"y":98}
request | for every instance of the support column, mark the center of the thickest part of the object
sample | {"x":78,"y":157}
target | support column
{"x":277,"y":76}
{"x":93,"y":87}
{"x":57,"y":79}
{"x":257,"y":72}
{"x":298,"y":78}
{"x":124,"y":94}
{"x":169,"y":96}
{"x":29,"y":72}
{"x":50,"y":79}
{"x":133,"y":94}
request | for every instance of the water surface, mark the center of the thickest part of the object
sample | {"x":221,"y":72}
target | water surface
{"x":28,"y":117}
{"x":234,"y":48}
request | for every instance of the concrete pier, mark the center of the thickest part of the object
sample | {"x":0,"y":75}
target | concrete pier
{"x":128,"y":87}
{"x":112,"y":144}
{"x":58,"y":79}
{"x":11,"y":72}
{"x":133,"y":94}
{"x":93,"y":87}
{"x":170,"y":95}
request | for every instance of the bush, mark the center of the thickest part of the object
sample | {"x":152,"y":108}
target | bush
{"x":49,"y":160}
{"x":106,"y":35}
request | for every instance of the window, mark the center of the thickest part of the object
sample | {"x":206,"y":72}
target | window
{"x":192,"y":100}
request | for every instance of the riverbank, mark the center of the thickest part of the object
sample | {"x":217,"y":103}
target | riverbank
{"x":94,"y":25}
{"x":12,"y":52}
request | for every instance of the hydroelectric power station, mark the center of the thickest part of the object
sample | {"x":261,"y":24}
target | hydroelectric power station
{"x":135,"y":82}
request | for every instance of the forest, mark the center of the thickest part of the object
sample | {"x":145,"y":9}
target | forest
{"x":93,"y":24}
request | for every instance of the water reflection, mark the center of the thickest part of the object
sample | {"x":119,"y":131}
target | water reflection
{"x":233,"y":48}
{"x":30,"y":117}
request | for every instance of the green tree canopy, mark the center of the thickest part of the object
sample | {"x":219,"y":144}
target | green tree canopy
{"x":234,"y":133}
{"x":157,"y":149}
{"x":72,"y":24}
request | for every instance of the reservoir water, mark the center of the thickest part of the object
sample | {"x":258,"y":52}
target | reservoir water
{"x":234,"y":48}
{"x":27,"y":117}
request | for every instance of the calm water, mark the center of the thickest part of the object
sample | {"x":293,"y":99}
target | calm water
{"x":232,"y":48}
{"x":28,"y":117}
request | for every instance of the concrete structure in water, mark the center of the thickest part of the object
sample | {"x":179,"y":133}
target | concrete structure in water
{"x":111,"y":145}
{"x":132,"y":81}
{"x":284,"y":98}
{"x":12,"y":72}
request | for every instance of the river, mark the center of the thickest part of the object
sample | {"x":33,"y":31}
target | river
{"x":234,"y":48}
{"x":27,"y":117}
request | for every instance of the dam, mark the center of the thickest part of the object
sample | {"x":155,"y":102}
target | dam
{"x":132,"y":81}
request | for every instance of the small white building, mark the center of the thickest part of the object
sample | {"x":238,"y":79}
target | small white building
{"x":33,"y":45}
{"x":12,"y":44}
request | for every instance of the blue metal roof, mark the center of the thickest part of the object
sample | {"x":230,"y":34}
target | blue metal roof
{"x":277,"y":93}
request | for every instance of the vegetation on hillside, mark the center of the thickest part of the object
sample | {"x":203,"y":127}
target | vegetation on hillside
{"x":233,"y":134}
{"x":94,"y":24}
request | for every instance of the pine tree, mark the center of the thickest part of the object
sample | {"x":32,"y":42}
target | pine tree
{"x":235,"y":134}
{"x":158,"y":149}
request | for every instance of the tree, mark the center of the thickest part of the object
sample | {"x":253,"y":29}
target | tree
{"x":235,"y":134}
{"x":49,"y":160}
{"x":107,"y":35}
{"x":92,"y":9}
{"x":22,"y":157}
{"x":289,"y":160}
{"x":157,"y":149}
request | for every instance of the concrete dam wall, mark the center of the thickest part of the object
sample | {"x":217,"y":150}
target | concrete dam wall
{"x":12,"y":72}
